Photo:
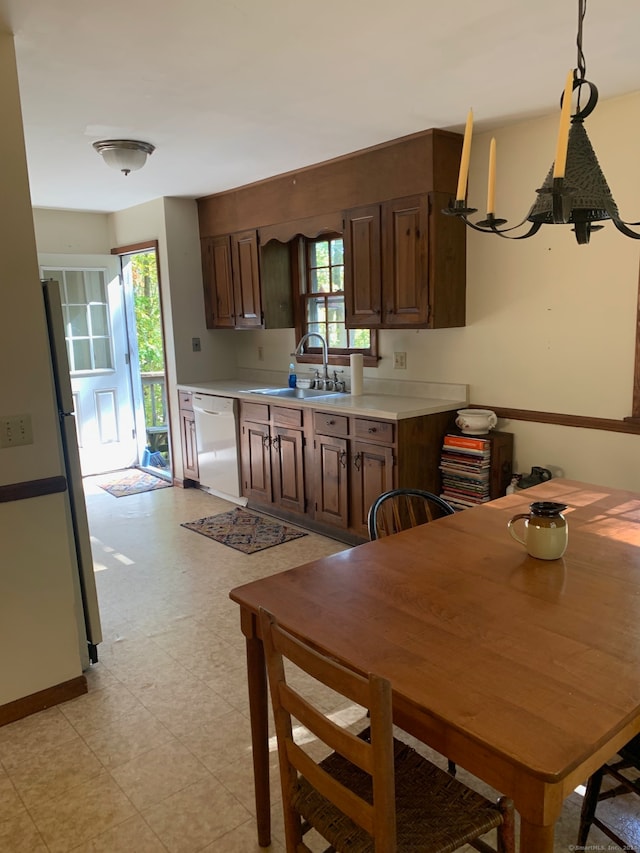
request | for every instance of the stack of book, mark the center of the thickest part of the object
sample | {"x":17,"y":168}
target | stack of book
{"x":465,"y":466}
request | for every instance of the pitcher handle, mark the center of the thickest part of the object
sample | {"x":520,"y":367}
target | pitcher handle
{"x":493,"y":420}
{"x":512,"y":531}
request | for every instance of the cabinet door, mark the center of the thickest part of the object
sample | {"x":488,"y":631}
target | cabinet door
{"x":189,"y":446}
{"x":287,"y":469}
{"x":218,"y":283}
{"x":256,"y":461}
{"x":362,"y":267}
{"x":331,"y":481}
{"x":246,"y":280}
{"x":372,"y":473}
{"x":405,"y":230}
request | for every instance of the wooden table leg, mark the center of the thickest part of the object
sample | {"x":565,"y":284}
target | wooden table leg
{"x":257,"y":678}
{"x":535,"y":838}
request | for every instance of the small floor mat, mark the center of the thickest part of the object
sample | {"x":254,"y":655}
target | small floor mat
{"x":132,"y":482}
{"x":244,"y":531}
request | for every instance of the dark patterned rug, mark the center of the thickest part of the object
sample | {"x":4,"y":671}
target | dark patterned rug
{"x":244,"y":531}
{"x":132,"y":482}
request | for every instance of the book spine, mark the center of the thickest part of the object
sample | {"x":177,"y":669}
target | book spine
{"x":464,"y":441}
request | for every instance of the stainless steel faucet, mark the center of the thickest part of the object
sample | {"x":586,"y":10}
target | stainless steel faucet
{"x":325,"y":356}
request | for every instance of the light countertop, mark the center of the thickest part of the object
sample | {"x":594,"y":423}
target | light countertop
{"x":412,"y":401}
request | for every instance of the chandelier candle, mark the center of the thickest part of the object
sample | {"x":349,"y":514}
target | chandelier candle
{"x":563,"y":130}
{"x":464,"y":162}
{"x":491,"y":185}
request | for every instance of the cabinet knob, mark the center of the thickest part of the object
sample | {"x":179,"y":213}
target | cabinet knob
{"x":371,"y":429}
{"x":330,"y":423}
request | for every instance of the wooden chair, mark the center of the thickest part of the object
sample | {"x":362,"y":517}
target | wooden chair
{"x":629,"y":759}
{"x":372,"y":792}
{"x":400,"y":509}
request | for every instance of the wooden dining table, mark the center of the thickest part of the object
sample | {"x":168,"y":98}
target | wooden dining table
{"x":525,"y":672}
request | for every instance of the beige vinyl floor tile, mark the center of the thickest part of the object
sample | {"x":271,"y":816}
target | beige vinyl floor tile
{"x":194,"y":816}
{"x":19,"y":834}
{"x":158,"y":773}
{"x":81,"y":813}
{"x":132,"y":836}
{"x":156,"y":757}
{"x":54,"y":771}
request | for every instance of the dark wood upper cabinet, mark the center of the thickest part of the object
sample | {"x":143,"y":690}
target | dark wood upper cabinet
{"x":218,"y":283}
{"x":363,"y":270}
{"x":404,"y":266}
{"x":404,"y":257}
{"x":246,"y":280}
{"x":246,"y":286}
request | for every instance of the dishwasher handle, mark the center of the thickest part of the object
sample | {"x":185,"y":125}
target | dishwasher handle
{"x":206,"y":404}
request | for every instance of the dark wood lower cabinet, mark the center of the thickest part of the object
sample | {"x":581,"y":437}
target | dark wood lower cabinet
{"x":255,"y":439}
{"x":287,"y":468}
{"x":372,"y":473}
{"x":324,"y":471}
{"x":272,"y":457}
{"x":331,"y":469}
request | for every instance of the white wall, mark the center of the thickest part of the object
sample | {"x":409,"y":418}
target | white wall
{"x":38,"y":636}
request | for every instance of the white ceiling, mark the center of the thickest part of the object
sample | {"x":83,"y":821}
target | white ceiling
{"x":232,"y":91}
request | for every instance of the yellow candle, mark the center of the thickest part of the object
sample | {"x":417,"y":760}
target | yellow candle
{"x":491,"y":186}
{"x":563,"y":130}
{"x":464,"y":162}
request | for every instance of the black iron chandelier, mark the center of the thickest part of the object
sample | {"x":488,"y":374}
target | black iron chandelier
{"x":575,"y":190}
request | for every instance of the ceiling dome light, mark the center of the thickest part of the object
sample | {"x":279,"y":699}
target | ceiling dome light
{"x":125,"y":155}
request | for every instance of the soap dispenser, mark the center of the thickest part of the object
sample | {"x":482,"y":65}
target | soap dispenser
{"x":292,"y":375}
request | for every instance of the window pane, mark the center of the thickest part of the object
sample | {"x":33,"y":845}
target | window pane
{"x":75,"y":286}
{"x":319,"y":254}
{"x":99,"y":320}
{"x":337,"y":336}
{"x":76,"y":325}
{"x":319,"y":280}
{"x":335,"y":306}
{"x":81,"y":355}
{"x":359,"y":338}
{"x":94,"y":283}
{"x":337,"y":279}
{"x":319,"y":329}
{"x":337,"y":252}
{"x":316,"y":310}
{"x":102,"y":354}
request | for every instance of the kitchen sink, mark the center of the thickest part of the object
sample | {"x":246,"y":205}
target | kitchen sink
{"x":297,"y":393}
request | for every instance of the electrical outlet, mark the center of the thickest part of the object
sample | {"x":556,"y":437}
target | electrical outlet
{"x":195,"y":344}
{"x":400,"y":361}
{"x":15,"y":431}
{"x":260,"y":353}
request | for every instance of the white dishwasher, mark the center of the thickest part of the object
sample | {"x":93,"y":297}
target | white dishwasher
{"x":217,"y":442}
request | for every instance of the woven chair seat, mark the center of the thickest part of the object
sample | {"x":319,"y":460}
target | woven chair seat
{"x":435,"y":812}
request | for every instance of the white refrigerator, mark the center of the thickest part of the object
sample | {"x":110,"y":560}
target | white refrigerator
{"x":88,"y":615}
